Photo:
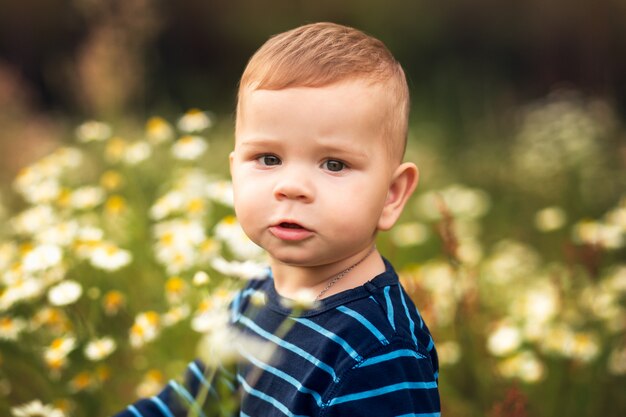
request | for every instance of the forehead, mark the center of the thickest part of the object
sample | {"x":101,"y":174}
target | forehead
{"x":349,"y":109}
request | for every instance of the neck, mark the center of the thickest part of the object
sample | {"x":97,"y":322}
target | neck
{"x":291,"y":280}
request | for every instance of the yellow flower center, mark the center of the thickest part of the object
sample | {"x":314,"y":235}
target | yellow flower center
{"x":196,"y":205}
{"x":115,"y":204}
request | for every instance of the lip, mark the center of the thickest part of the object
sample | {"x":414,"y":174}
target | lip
{"x":290,"y":230}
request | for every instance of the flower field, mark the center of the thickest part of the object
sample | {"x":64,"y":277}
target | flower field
{"x":119,"y":253}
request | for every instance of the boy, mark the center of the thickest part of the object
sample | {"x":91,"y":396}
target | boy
{"x":317,"y":171}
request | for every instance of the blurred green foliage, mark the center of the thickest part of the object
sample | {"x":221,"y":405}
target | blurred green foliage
{"x":513,"y":251}
{"x":517,"y":126}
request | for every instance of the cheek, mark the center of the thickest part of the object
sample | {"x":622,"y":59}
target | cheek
{"x":366,"y":195}
{"x":248,"y":215}
{"x":245,"y":201}
{"x":243,"y":184}
{"x":249,"y":198}
{"x":241,"y":198}
{"x":356,"y":210}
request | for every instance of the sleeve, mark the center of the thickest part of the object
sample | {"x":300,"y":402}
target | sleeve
{"x":397,"y":381}
{"x":177,"y":399}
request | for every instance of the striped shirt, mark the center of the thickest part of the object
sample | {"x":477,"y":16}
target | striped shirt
{"x":362,"y":352}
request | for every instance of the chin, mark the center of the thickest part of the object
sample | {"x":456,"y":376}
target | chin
{"x":291,"y":260}
{"x":289,"y":257}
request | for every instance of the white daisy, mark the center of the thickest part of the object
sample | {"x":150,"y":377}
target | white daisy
{"x":33,"y":219}
{"x":550,"y":218}
{"x":11,"y":327}
{"x":41,"y":192}
{"x":99,"y":348}
{"x":168,"y":203}
{"x":137,"y":152}
{"x":145,"y":329}
{"x":61,"y":234}
{"x":180,"y":233}
{"x":87,"y":197}
{"x":504,"y":340}
{"x":221,"y":192}
{"x":189,"y":147}
{"x":409,"y":234}
{"x":176,"y":258}
{"x":109,"y":257}
{"x":42,"y":257}
{"x":200,"y":278}
{"x":23,"y":288}
{"x":175,"y":315}
{"x":229,"y":231}
{"x":93,"y":131}
{"x":194,"y":121}
{"x":524,"y":365}
{"x":158,"y":130}
{"x":67,"y":157}
{"x":55,"y":355}
{"x":36,"y":408}
{"x":65,"y":293}
{"x":245,"y":270}
{"x":8,"y":252}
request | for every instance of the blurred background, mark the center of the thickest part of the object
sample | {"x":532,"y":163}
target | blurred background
{"x":517,"y":123}
{"x":468,"y":62}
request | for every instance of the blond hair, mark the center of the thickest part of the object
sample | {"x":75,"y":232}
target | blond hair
{"x":320,"y":54}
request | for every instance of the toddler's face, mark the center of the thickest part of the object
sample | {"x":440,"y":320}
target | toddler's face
{"x":311,"y":171}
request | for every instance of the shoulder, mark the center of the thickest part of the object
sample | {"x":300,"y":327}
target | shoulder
{"x":395,"y":379}
{"x":382,"y":317}
{"x":387,"y":312}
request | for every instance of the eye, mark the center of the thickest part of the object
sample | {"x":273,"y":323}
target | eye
{"x":268,"y":160}
{"x":333,"y":165}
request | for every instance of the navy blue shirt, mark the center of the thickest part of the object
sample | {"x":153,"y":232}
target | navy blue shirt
{"x":363,"y":352}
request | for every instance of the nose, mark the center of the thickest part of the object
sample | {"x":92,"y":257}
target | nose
{"x":294,"y":185}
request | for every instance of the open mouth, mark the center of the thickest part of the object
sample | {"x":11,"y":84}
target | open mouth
{"x":290,"y":231}
{"x":290,"y":225}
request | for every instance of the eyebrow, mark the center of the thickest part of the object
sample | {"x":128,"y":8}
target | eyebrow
{"x":258,"y":142}
{"x":333,"y":149}
{"x":328,"y":147}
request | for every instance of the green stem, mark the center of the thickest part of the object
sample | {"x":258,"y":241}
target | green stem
{"x":196,"y":406}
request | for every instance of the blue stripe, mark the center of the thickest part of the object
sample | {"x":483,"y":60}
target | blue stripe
{"x":248,"y":292}
{"x":182,"y":391}
{"x":162,"y":406}
{"x":267,"y":398}
{"x":332,"y":336}
{"x":419,"y":316}
{"x":406,"y":353}
{"x":234,"y":309}
{"x":389,"y":308}
{"x":365,"y":322}
{"x":382,"y":391}
{"x":408,"y":316}
{"x":421,"y":415}
{"x":291,"y":347}
{"x":282,"y":375}
{"x":134,"y":411}
{"x":198,"y":373}
{"x":431,"y":343}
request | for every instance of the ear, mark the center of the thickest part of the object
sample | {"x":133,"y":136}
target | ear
{"x":402,"y":185}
